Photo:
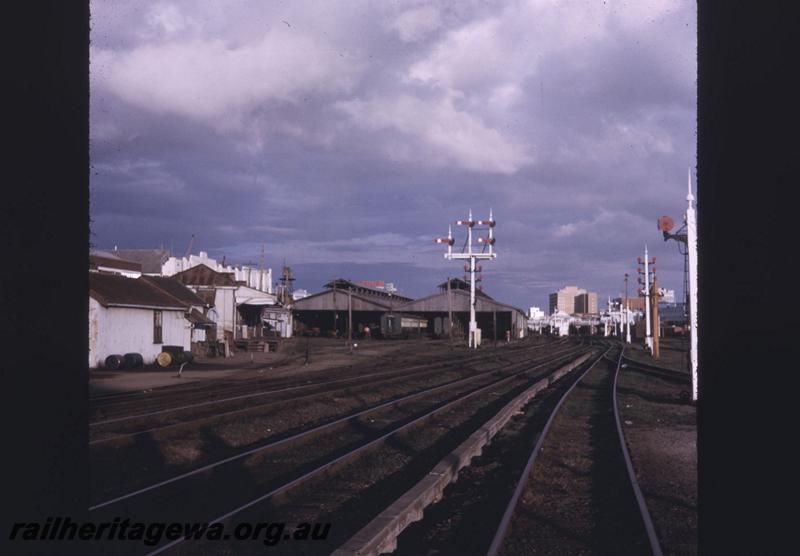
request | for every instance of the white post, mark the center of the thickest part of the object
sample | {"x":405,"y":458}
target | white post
{"x":472,"y":256}
{"x":473,"y":325}
{"x":691,"y":240}
{"x":627,"y":322}
{"x":648,"y":333}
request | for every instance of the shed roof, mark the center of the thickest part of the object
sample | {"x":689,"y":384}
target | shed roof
{"x":202,"y":275}
{"x":342,"y":284}
{"x":246,"y":295}
{"x":107,"y":259}
{"x":330,"y":301}
{"x":176,"y":289}
{"x":113,"y":290}
{"x":437,"y":303}
{"x":151,"y":260}
{"x":459,"y":284}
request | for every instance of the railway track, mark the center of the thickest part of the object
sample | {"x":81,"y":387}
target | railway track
{"x":663,"y":372}
{"x":325,"y":454}
{"x":267,"y":433}
{"x":579,"y":492}
{"x":124,"y":464}
{"x":185,"y":416}
{"x":556,"y":479}
{"x":125,"y":407}
{"x":660,"y":428}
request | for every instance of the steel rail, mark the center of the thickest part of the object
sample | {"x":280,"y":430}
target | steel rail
{"x":401,"y":374}
{"x":429,"y":366}
{"x":319,"y":428}
{"x":505,"y":522}
{"x":108,"y":399}
{"x":663,"y":370}
{"x":199,"y":386}
{"x":655,"y":547}
{"x":357,"y":451}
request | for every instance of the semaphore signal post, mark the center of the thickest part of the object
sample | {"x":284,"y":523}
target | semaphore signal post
{"x":467,"y":252}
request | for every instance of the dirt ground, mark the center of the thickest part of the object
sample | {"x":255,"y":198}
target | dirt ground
{"x":323,"y":353}
{"x":661,"y":430}
{"x":578,"y":499}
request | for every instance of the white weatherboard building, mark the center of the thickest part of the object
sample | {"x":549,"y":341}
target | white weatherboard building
{"x":218,"y":290}
{"x":128,"y":315}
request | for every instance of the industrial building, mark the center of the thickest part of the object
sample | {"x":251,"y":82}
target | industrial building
{"x":256,"y":278}
{"x":495,"y":319}
{"x":327,"y":313}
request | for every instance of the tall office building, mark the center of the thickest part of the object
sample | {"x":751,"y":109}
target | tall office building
{"x":566,"y":298}
{"x":586,"y":303}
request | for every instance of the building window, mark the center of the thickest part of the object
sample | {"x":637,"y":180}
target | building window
{"x":157,"y":327}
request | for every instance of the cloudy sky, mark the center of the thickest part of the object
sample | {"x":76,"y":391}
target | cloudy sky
{"x":344,"y":136}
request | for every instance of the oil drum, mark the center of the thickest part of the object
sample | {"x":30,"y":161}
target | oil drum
{"x":133,"y":360}
{"x":114,"y":362}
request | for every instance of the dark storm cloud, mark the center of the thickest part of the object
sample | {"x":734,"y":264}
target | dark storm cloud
{"x":343,"y":137}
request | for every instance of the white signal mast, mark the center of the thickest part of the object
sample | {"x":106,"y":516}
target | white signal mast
{"x":688,"y":235}
{"x":472,"y":256}
{"x":691,"y":242}
{"x":646,"y":293}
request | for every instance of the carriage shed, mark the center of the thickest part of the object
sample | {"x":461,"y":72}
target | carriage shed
{"x":487,"y":312}
{"x":326,"y":313}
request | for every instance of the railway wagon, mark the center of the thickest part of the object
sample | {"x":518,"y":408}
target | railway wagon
{"x":402,"y":325}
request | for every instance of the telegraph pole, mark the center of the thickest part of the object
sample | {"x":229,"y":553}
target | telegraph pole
{"x":494,"y":325}
{"x":472,"y":256}
{"x":654,"y":310}
{"x":449,"y":312}
{"x":350,"y":317}
{"x":335,"y":311}
{"x":648,"y":330}
{"x":691,"y":237}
